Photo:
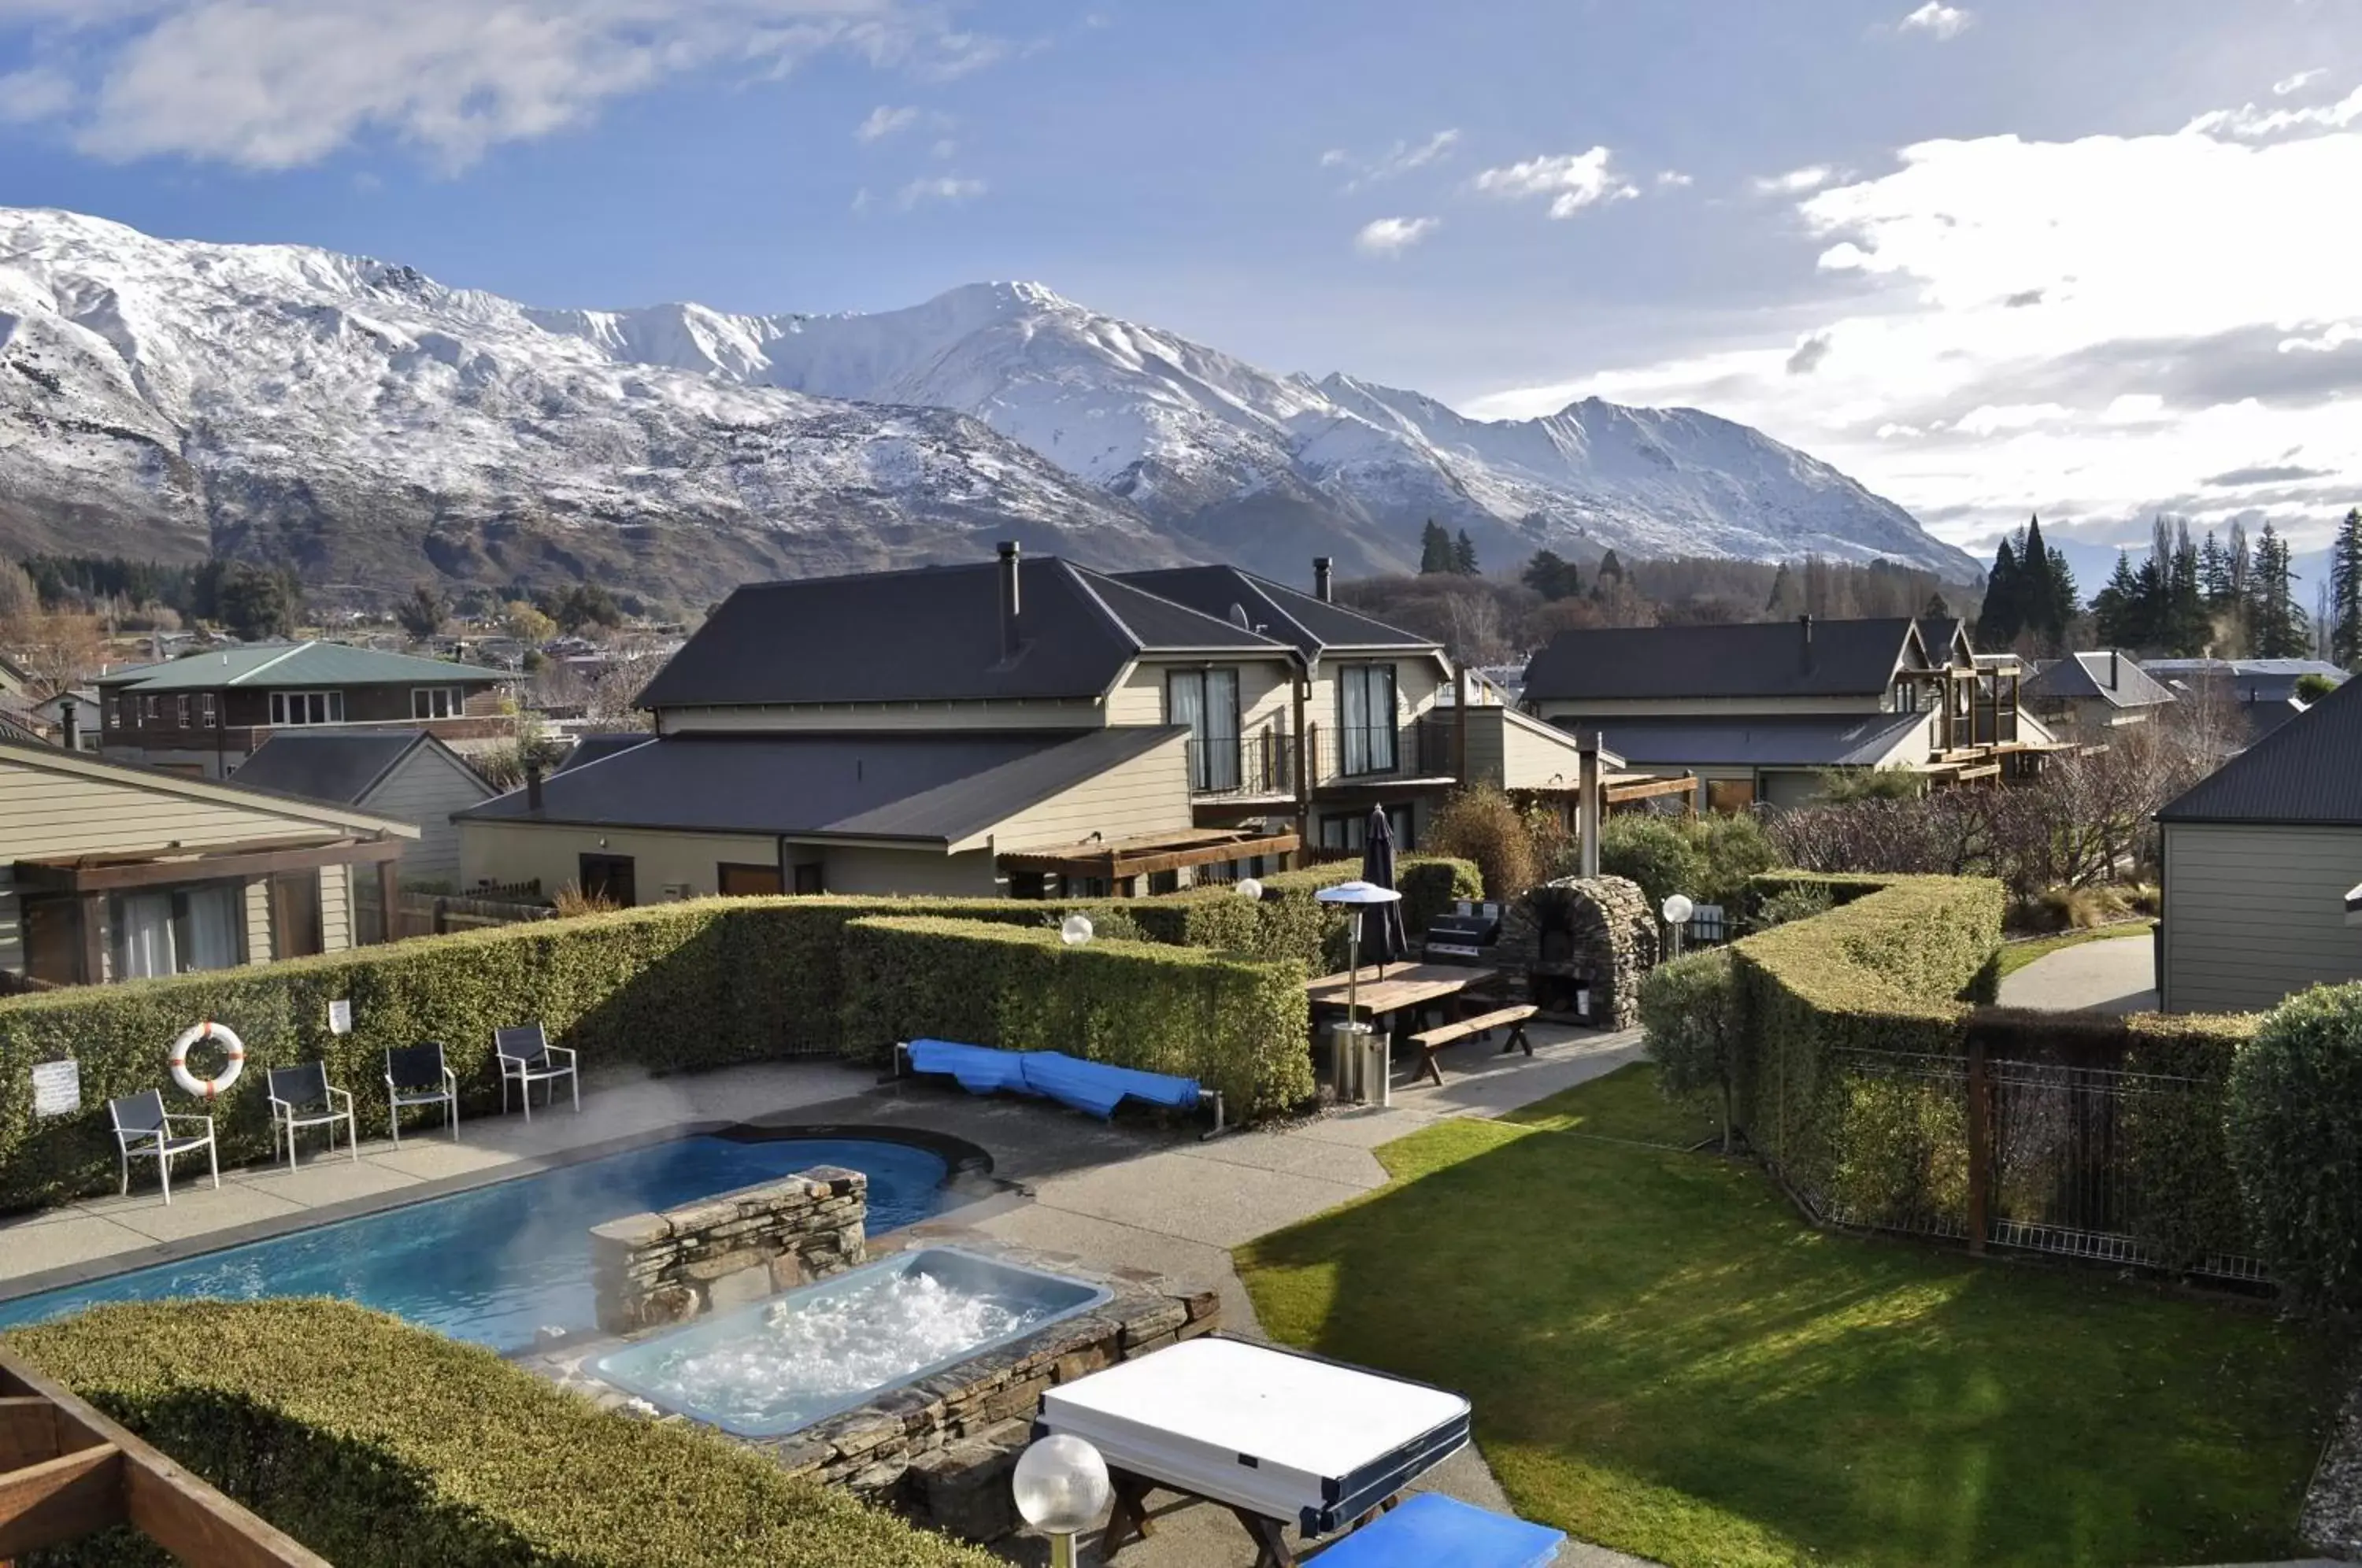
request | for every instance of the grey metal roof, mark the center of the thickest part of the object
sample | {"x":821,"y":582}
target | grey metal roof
{"x":297,"y":664}
{"x":2112,"y":677}
{"x":931,"y":634}
{"x":1311,"y":624}
{"x":1805,"y":740}
{"x":2250,"y":679}
{"x":2308,"y":771}
{"x":14,"y":730}
{"x":343,"y":767}
{"x":600,"y":745}
{"x":1845,"y":658}
{"x":934,"y":788}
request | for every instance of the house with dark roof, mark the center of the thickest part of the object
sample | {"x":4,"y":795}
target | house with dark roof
{"x":2090,"y":697}
{"x":113,"y":871}
{"x":1757,"y":713}
{"x":409,"y":775}
{"x":1025,"y":726}
{"x":204,"y":713}
{"x":2254,"y":696}
{"x":2263,"y":863}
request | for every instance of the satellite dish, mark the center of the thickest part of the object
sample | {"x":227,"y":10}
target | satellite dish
{"x":1075,"y":930}
{"x":1239,"y":617}
{"x":1250,"y":889}
{"x":1678,"y":909}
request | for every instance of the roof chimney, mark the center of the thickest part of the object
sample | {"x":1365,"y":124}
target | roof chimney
{"x":1010,"y":605}
{"x":533,"y":786}
{"x":1324,"y":586}
{"x":1805,"y":624}
{"x":2113,"y":657}
{"x":69,"y":722}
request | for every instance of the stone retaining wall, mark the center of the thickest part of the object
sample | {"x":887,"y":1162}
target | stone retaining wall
{"x":650,"y":1270}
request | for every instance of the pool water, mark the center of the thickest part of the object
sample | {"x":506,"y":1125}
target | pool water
{"x":496,"y":1263}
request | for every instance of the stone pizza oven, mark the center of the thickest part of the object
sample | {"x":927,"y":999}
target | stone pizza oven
{"x":1595,"y":933}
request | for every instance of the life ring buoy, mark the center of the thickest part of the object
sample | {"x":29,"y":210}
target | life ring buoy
{"x":232,"y":1047}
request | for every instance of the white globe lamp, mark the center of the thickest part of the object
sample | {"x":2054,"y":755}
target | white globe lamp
{"x":1250,"y":889}
{"x":1678,"y":910}
{"x":1075,"y":930}
{"x":1062,"y":1488}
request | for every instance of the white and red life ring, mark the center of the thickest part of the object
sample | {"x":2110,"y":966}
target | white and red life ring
{"x":232,"y":1047}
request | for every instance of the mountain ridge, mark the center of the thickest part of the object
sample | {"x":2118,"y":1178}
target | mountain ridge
{"x":366,"y":424}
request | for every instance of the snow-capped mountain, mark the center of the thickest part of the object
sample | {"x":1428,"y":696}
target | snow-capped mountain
{"x":1221,"y":449}
{"x":159,"y":398}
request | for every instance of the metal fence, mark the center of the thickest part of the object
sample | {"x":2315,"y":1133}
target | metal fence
{"x":2082,"y":1162}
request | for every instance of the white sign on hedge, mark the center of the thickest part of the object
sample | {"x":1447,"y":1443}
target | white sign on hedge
{"x":57,"y":1088}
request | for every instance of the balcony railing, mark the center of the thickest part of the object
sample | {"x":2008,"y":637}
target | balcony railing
{"x":1262,"y":763}
{"x":1424,"y":748}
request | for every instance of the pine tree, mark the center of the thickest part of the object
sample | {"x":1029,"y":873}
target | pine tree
{"x":2345,"y":592}
{"x":2117,"y":609}
{"x":1786,"y":600}
{"x":2063,"y":601}
{"x":1551,"y":575}
{"x":1935,"y":609}
{"x":2213,"y":573}
{"x":1610,"y":570}
{"x":2001,"y":620}
{"x":2276,"y":624}
{"x":1434,"y":549}
{"x":1463,"y":555}
{"x":2187,"y":621}
{"x":2043,"y":610}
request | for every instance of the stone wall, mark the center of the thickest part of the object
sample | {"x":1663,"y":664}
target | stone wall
{"x":647,"y":1270}
{"x":1598,"y":930}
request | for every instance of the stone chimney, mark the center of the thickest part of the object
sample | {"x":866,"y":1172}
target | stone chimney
{"x":1324,"y":584}
{"x":1009,"y":604}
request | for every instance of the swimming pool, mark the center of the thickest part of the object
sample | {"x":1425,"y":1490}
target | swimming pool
{"x":493,"y":1265}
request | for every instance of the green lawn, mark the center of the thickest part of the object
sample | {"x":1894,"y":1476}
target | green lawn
{"x":1664,"y":1360}
{"x":2016,"y":956}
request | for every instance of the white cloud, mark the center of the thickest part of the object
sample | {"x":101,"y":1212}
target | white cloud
{"x":941,"y":188}
{"x":2288,"y":84}
{"x":1796,"y":182}
{"x":1937,"y":20}
{"x":1572,"y":181}
{"x":2251,"y":122}
{"x":1674,"y":178}
{"x":884,"y":121}
{"x":1396,"y":160}
{"x":2158,"y":349}
{"x":39,"y":94}
{"x":1392,"y":236}
{"x":279,"y":84}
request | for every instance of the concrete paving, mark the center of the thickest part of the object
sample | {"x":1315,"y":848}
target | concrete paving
{"x":2113,"y":973}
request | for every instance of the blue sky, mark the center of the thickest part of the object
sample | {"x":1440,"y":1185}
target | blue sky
{"x":2104,"y":279}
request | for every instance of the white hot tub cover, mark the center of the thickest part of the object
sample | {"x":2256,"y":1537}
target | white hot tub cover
{"x":1280,"y":1433}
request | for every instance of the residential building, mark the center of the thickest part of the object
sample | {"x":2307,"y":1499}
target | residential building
{"x":1010,"y":726}
{"x":1757,"y":713}
{"x":112,"y":871}
{"x":2089,"y":698}
{"x":408,"y":775}
{"x":73,"y":713}
{"x":2262,"y":860}
{"x":2256,"y":695}
{"x":205,"y":713}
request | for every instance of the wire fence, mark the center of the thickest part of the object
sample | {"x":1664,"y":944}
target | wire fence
{"x":2082,"y":1162}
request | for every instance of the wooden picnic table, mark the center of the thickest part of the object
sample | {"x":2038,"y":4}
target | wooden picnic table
{"x":1400,"y":988}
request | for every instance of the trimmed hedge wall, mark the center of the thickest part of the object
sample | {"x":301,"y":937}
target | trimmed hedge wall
{"x":376,"y":1443}
{"x":1288,"y":923}
{"x":1237,"y":1024}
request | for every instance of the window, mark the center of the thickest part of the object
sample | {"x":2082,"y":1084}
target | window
{"x":810,"y":878}
{"x":210,"y":714}
{"x":747,"y":881}
{"x":175,"y":931}
{"x":151,"y":710}
{"x":1350,"y":830}
{"x":292,"y":708}
{"x":437,"y":701}
{"x":115,"y":713}
{"x":609,"y":876}
{"x":180,"y":712}
{"x":295,"y":914}
{"x":1206,"y":702}
{"x":1365,"y":719}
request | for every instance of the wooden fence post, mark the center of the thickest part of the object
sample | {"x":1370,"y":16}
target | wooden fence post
{"x":1980,"y":1144}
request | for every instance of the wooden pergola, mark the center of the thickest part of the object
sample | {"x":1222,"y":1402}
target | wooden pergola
{"x":89,"y":879}
{"x":67,"y":1471}
{"x":1117,"y":862}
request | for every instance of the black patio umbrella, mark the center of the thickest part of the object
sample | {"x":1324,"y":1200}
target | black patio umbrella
{"x":1387,"y":941}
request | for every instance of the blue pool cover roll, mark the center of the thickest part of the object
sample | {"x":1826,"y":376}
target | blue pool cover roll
{"x":1431,"y":1528}
{"x":1093,"y":1086}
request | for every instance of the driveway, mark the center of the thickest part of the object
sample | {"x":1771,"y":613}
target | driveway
{"x":2114,"y":974}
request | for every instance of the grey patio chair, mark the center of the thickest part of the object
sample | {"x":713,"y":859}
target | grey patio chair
{"x":417,"y":1075}
{"x":303,"y":1097}
{"x":528,"y":1058}
{"x":143,"y":1126}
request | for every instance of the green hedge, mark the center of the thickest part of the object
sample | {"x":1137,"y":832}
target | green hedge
{"x":2295,"y":1139}
{"x":376,"y":1443}
{"x":1237,"y":1024}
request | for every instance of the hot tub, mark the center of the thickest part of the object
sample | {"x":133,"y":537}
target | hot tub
{"x":776,"y":1366}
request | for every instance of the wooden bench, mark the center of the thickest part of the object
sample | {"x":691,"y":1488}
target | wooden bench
{"x":1430,"y":1041}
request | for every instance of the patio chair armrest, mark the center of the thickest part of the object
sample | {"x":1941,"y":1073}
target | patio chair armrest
{"x":172,"y":1116}
{"x":565,"y":1051}
{"x":344,"y":1094}
{"x":450,"y":1081}
{"x":133,"y":1138}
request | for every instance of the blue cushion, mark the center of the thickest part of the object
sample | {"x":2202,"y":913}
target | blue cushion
{"x":980,"y":1069}
{"x":1099,"y":1087}
{"x":1431,"y":1528}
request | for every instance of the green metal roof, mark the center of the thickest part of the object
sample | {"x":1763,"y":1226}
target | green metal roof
{"x":297,"y":664}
